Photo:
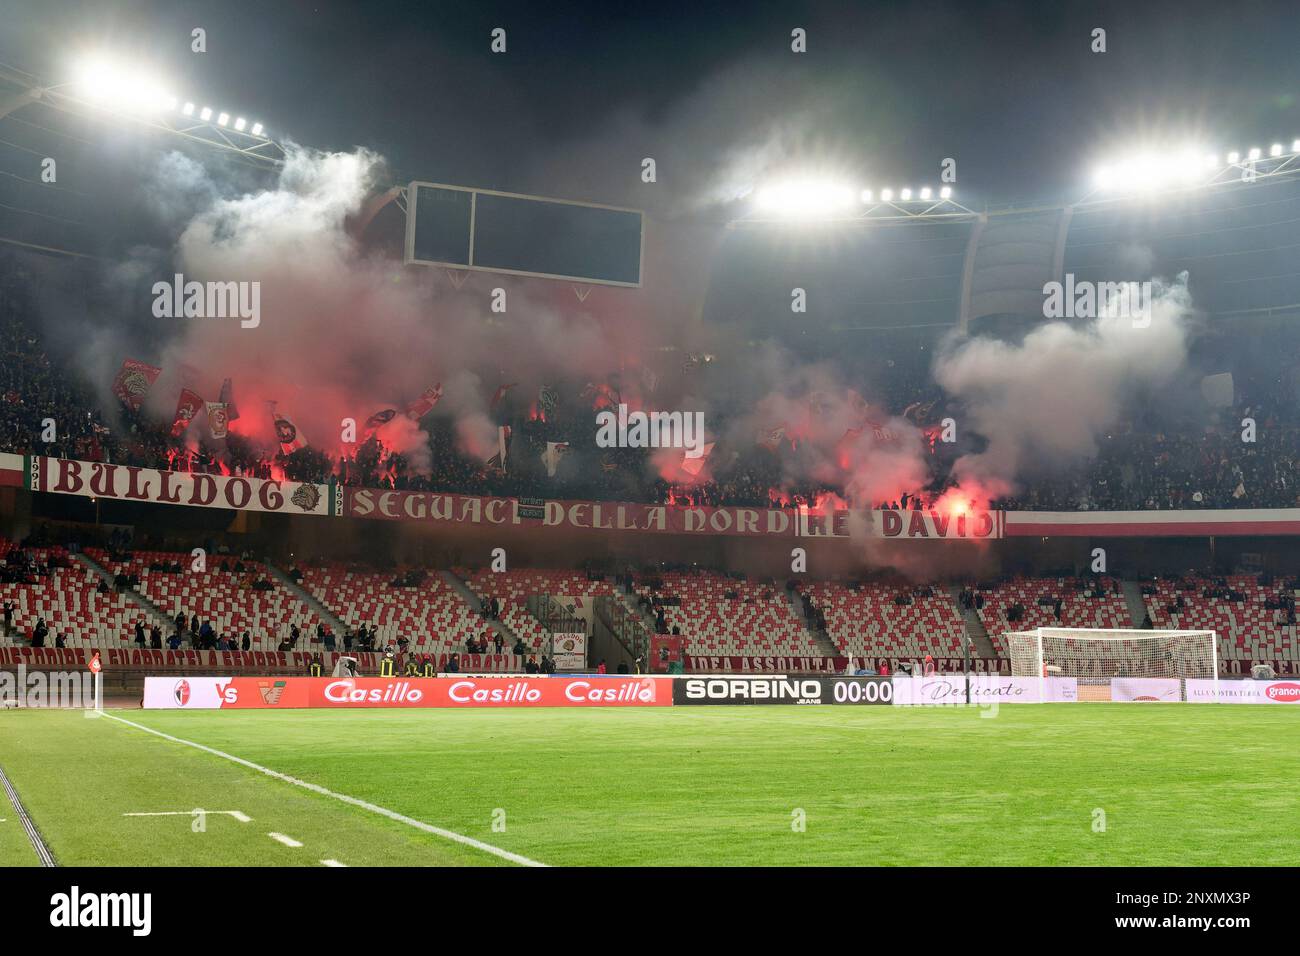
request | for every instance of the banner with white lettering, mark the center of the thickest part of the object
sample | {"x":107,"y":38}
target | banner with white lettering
{"x":279,"y":693}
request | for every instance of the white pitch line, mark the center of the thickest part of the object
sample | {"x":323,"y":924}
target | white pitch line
{"x":332,"y":863}
{"x":281,"y":838}
{"x":238,"y":815}
{"x":317,"y":788}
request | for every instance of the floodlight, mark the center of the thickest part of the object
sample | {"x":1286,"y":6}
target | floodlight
{"x":1254,"y":153}
{"x":188,"y":109}
{"x":171,"y":102}
{"x":223,"y":119}
{"x":205,"y":114}
{"x":805,"y":198}
{"x":240,"y":123}
{"x":905,"y":195}
{"x":103,"y":81}
{"x":257,"y":129}
{"x":1188,"y":166}
{"x":865,"y":195}
{"x":1234,"y":157}
{"x":945,"y":192}
{"x":96,"y":78}
{"x":925,"y":193}
{"x":1295,"y":147}
{"x":1275,"y":149}
{"x":886,"y":194}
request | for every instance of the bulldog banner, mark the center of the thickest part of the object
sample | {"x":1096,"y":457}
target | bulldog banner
{"x":126,"y":483}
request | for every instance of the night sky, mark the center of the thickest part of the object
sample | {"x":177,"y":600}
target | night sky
{"x":884,"y":93}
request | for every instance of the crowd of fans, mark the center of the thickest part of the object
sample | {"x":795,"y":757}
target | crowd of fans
{"x":1141,"y":466}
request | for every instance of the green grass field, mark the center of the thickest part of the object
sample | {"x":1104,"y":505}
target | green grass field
{"x":1179,"y":785}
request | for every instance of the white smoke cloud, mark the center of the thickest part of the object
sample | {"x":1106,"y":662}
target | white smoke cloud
{"x":1043,"y":402}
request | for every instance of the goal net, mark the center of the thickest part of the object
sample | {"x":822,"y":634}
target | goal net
{"x":1095,"y":656}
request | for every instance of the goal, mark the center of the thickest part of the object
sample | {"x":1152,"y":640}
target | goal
{"x":1096,"y":656}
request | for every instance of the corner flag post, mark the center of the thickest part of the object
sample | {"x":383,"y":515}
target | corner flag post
{"x":96,"y":667}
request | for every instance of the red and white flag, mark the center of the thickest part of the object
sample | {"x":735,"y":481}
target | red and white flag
{"x":187,"y":406}
{"x":134,"y":381}
{"x":500,"y":393}
{"x":424,"y":404}
{"x":693,"y":466}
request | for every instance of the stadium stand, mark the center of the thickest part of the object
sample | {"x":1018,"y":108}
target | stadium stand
{"x":512,"y":589}
{"x":50,"y":587}
{"x":430,"y":614}
{"x":1025,"y":603}
{"x":1254,"y":620}
{"x":721,"y":615}
{"x":879,"y":620}
{"x":233,"y":601}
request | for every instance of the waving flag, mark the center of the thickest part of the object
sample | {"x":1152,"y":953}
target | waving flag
{"x":380,"y":418}
{"x":134,"y":381}
{"x":547,"y":398}
{"x":498,"y":458}
{"x":187,"y":406}
{"x":424,"y":404}
{"x":218,"y":419}
{"x":555,"y":450}
{"x":693,"y":466}
{"x":286,"y":433}
{"x":771,"y":439}
{"x":227,"y":398}
{"x":500,"y":393}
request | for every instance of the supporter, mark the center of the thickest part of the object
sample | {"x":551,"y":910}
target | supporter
{"x":1158,"y":459}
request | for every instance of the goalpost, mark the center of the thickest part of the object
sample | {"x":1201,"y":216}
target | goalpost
{"x":1095,"y":656}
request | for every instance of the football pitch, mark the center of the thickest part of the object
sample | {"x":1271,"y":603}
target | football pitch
{"x":1071,"y":784}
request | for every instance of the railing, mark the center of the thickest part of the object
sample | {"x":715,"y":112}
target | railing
{"x":626,"y":626}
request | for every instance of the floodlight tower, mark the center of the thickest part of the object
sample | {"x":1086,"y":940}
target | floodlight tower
{"x":107,"y":89}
